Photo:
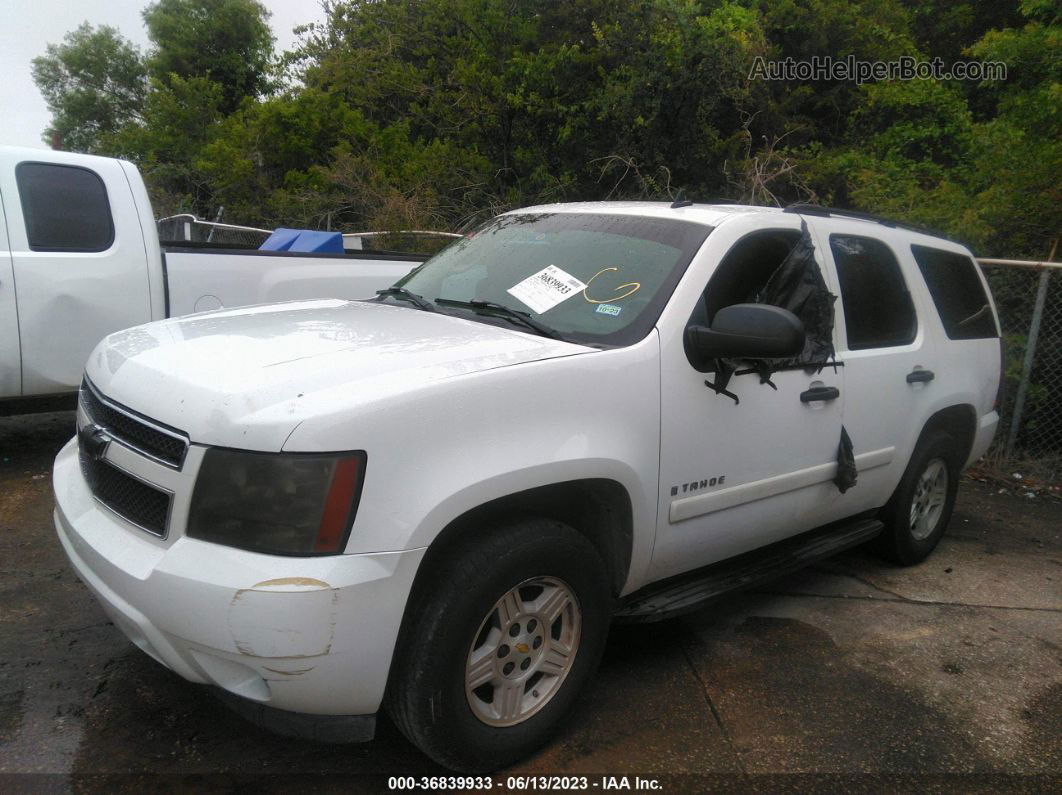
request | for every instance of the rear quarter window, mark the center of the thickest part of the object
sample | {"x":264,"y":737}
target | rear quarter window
{"x":958,"y":293}
{"x":65,"y":208}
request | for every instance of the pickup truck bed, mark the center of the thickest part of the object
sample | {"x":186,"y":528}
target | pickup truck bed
{"x":239,"y":278}
{"x":80,"y":258}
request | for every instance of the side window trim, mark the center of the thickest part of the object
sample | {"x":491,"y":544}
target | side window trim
{"x":27,"y":210}
{"x":912,"y":303}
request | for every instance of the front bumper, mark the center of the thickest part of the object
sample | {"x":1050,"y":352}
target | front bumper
{"x":311,"y":635}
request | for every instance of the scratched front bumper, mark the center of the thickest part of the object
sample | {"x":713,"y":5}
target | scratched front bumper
{"x":313,"y":635}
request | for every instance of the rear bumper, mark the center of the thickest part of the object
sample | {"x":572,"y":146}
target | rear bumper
{"x":986,"y":431}
{"x":311,"y":635}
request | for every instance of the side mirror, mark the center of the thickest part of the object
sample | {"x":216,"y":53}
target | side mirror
{"x":746,"y":331}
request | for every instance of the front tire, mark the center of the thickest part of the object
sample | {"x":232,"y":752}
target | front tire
{"x":918,"y":513}
{"x":499,"y":642}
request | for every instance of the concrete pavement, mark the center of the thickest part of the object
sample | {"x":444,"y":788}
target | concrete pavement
{"x":947,"y":675}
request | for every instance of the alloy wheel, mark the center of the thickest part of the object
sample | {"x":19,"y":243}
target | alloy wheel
{"x":927,"y":504}
{"x":523,"y":651}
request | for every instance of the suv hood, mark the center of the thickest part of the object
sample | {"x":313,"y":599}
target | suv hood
{"x":247,"y":377}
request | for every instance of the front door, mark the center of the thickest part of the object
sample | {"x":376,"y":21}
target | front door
{"x":744,"y":471}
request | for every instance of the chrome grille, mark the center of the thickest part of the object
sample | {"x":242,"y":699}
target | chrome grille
{"x":145,"y":506}
{"x":164,"y":444}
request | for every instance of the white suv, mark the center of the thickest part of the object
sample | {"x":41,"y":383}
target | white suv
{"x":438,"y":499}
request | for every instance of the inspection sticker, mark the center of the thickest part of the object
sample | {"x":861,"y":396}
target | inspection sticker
{"x":608,"y":309}
{"x":545,"y":289}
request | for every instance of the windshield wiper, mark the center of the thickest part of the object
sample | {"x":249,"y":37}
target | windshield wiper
{"x":490,"y":307}
{"x":419,"y":301}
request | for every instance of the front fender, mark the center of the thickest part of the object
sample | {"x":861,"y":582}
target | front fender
{"x":435,"y":453}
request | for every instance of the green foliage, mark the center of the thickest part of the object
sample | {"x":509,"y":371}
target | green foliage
{"x":94,"y":82}
{"x":435,"y":113}
{"x":175,"y":124}
{"x":226,"y":41}
{"x":946,"y":27}
{"x":918,"y":120}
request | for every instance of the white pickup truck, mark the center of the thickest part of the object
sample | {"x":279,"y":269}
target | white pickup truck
{"x":437,"y":500}
{"x":80,"y":258}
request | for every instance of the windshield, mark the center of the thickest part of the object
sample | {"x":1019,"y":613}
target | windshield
{"x":593,"y":278}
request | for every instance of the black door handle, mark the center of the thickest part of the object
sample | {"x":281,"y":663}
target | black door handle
{"x":920,"y":376}
{"x":817,"y":393}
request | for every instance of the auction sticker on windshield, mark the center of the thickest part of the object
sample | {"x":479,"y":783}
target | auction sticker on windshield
{"x":545,"y":289}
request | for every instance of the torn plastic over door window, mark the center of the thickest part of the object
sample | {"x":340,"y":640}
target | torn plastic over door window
{"x":798,"y":286}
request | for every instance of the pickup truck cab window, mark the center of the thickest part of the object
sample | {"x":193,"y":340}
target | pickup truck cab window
{"x":629,"y":266}
{"x":65,"y":208}
{"x":878,"y":311}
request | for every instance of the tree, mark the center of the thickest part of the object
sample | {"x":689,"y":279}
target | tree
{"x":1019,"y":149}
{"x":209,"y":58}
{"x":979,"y":163}
{"x":228,"y":42}
{"x":947,"y":27}
{"x":177,"y":121}
{"x":94,"y":82}
{"x":434,"y":112}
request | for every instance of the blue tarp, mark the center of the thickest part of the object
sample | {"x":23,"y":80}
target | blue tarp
{"x":303,"y":240}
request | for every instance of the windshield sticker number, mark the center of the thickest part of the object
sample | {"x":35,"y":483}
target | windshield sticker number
{"x":608,"y":309}
{"x":545,"y":289}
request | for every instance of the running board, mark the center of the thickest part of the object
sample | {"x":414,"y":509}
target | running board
{"x":687,"y":592}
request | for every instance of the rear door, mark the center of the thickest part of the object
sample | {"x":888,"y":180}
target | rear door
{"x":79,"y":263}
{"x":10,"y":362}
{"x":888,"y":352}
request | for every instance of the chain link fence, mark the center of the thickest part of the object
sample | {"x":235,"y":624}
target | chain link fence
{"x":186,"y":228}
{"x":1029,"y":301}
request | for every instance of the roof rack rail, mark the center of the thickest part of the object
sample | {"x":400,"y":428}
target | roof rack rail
{"x":826,"y":212}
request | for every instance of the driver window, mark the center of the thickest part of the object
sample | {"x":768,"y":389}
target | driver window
{"x":743,"y":272}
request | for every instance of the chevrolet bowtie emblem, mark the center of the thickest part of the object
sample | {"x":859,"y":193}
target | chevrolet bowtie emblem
{"x":94,"y":441}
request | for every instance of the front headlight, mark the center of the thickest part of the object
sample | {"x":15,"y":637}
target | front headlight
{"x":277,"y":503}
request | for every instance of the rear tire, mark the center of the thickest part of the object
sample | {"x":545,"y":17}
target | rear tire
{"x":918,"y":513}
{"x":499,"y":642}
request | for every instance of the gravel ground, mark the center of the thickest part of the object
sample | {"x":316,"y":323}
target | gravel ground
{"x":853,"y":674}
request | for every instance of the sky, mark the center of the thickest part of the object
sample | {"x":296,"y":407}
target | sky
{"x":30,"y":25}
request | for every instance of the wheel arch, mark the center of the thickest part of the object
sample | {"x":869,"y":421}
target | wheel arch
{"x":598,"y":508}
{"x":959,"y":421}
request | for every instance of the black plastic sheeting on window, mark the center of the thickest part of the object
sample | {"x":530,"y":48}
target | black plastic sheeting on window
{"x":846,"y":465}
{"x":797,"y":285}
